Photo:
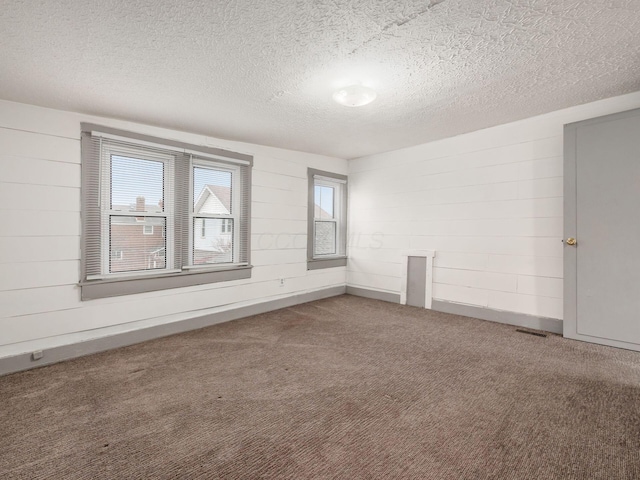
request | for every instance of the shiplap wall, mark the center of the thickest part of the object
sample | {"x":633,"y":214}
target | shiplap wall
{"x":40,"y":303}
{"x":490,"y":203}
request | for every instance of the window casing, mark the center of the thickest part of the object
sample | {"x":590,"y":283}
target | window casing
{"x":327,"y":225}
{"x":214,"y":212}
{"x":178,"y":214}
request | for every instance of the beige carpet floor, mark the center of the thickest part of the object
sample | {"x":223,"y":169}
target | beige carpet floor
{"x":342,"y":388}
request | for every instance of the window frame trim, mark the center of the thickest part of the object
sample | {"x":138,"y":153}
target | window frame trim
{"x":139,"y":282}
{"x":107,"y":211}
{"x":214,"y":164}
{"x":327,"y":261}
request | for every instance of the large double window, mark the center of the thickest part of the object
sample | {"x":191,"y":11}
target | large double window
{"x":159,"y":214}
{"x":327,"y":232}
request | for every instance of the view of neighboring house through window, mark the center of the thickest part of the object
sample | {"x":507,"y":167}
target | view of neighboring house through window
{"x":137,"y":187}
{"x":327,"y":219}
{"x":326,"y":224}
{"x":150,"y":210}
{"x":213,"y":213}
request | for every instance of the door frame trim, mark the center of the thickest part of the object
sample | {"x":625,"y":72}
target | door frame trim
{"x":570,"y":254}
{"x":570,"y":294}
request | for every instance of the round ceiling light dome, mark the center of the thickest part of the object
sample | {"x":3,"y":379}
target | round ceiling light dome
{"x":355,"y":96}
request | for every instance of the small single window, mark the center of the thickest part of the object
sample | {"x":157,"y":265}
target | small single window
{"x":327,"y":246}
{"x":147,"y":229}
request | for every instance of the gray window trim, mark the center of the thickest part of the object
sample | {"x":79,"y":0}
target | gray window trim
{"x":333,"y":261}
{"x":110,"y":287}
{"x":317,"y":264}
{"x":95,"y":289}
{"x":91,"y":127}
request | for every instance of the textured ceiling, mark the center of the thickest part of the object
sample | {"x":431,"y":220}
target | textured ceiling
{"x":264,"y":71}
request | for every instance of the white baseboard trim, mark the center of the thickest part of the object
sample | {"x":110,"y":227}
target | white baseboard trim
{"x":57,"y":354}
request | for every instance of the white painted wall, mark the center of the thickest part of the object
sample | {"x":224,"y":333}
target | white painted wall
{"x":40,"y":303}
{"x":489,"y":202}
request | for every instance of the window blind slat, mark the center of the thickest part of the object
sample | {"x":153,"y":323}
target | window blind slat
{"x":182,"y":204}
{"x":91,"y":216}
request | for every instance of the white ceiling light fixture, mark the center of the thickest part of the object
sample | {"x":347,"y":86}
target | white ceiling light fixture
{"x":355,"y":96}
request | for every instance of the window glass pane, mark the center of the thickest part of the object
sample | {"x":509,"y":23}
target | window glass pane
{"x":211,"y":191}
{"x":323,"y":202}
{"x":325,"y":238}
{"x":136,"y":243}
{"x":212,"y":240}
{"x":136,"y":185}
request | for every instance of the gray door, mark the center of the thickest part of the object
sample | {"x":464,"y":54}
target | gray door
{"x":602,"y":213}
{"x":416,"y":281}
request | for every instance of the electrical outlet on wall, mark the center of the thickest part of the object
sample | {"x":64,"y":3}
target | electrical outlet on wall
{"x":282,"y":282}
{"x":37,"y":355}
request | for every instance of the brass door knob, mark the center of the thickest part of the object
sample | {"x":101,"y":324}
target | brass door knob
{"x":571,"y":241}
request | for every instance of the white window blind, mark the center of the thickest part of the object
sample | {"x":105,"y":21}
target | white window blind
{"x":136,"y":208}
